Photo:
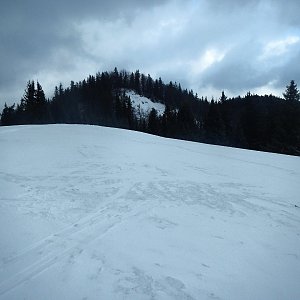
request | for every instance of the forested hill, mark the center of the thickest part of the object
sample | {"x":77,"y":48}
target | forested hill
{"x":266,"y":123}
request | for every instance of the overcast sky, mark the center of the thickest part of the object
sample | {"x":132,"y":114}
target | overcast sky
{"x":206,"y":45}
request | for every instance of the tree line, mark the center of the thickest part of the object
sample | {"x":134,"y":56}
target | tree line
{"x":266,"y":123}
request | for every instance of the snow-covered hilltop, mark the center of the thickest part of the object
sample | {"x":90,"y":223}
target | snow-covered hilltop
{"x":89,"y":212}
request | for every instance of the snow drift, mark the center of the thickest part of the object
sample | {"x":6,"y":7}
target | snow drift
{"x":99,"y":213}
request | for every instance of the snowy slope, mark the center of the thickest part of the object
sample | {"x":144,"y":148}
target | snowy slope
{"x":143,"y":105}
{"x":98,"y":213}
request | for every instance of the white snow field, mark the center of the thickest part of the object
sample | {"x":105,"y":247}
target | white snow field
{"x":142,"y":105}
{"x":99,"y":213}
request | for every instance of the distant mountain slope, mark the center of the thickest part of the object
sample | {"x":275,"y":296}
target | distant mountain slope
{"x":89,"y":212}
{"x":265,"y":123}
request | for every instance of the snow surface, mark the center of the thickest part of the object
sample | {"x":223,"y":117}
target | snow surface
{"x":143,"y":105}
{"x":97,"y":213}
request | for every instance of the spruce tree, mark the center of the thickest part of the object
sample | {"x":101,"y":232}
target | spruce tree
{"x":291,"y":92}
{"x":223,"y":97}
{"x":40,"y":103}
{"x":7,"y":116}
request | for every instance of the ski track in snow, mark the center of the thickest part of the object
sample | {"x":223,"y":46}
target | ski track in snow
{"x":52,"y":249}
{"x":125,"y":215}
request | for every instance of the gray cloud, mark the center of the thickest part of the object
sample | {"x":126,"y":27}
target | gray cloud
{"x":39,"y":36}
{"x":262,"y":45}
{"x":207,"y":45}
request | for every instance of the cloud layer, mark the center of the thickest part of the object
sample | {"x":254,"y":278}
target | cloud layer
{"x":207,"y":45}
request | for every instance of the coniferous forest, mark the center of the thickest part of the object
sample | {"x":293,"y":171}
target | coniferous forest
{"x":265,"y":123}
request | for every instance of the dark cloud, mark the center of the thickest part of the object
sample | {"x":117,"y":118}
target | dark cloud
{"x":262,"y":40}
{"x":290,"y":71}
{"x":287,"y":11}
{"x":239,"y":70}
{"x":34,"y":33}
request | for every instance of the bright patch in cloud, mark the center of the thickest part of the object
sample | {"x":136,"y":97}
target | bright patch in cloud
{"x":210,"y":57}
{"x":269,"y":88}
{"x":279,"y":47}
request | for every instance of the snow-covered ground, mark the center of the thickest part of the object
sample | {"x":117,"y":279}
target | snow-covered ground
{"x":142,"y":105}
{"x":98,"y":213}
